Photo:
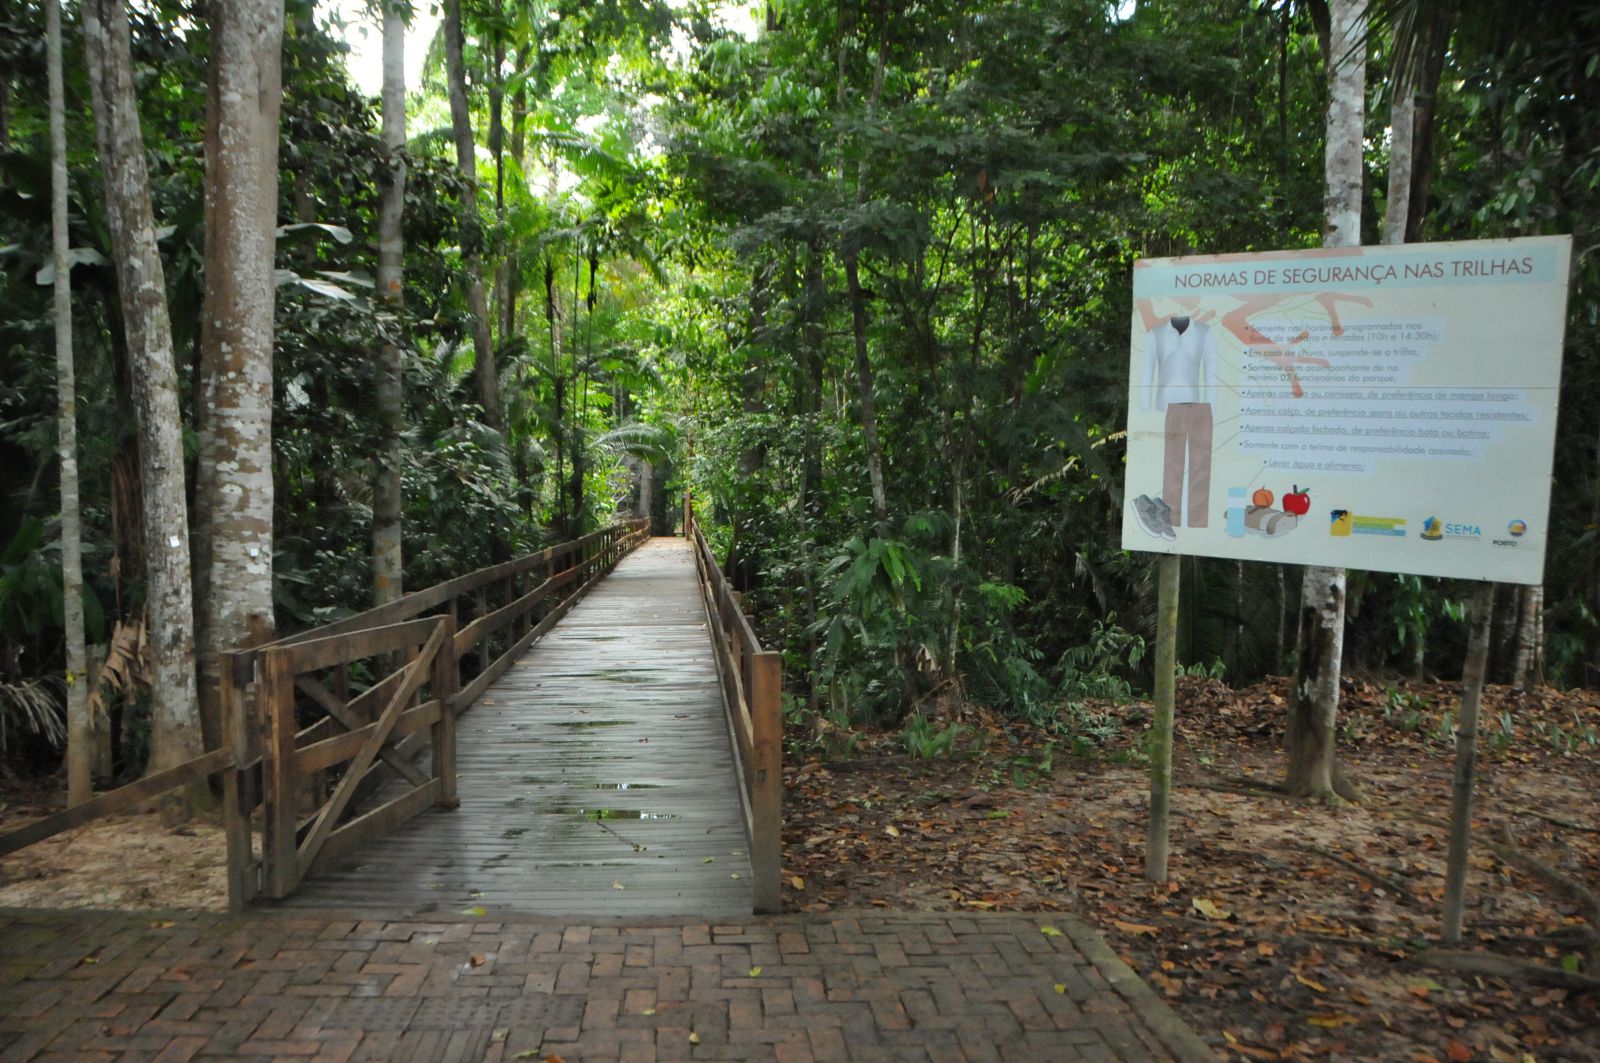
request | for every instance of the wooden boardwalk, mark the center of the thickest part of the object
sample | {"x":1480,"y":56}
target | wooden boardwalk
{"x":596,"y":776}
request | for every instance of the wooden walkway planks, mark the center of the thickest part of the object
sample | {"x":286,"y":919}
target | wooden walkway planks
{"x":596,"y":776}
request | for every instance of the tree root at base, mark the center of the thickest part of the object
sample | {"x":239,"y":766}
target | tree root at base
{"x":1510,"y":968}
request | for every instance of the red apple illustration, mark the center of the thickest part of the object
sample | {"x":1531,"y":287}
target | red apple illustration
{"x":1297,"y":502}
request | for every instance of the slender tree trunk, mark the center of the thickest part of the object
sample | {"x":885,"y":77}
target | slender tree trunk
{"x":858,"y":328}
{"x":388,"y":527}
{"x":497,"y":145}
{"x":1530,"y":629}
{"x":552,"y":316}
{"x":80,"y":784}
{"x":1402,"y":129}
{"x":5,"y":97}
{"x":488,"y":375}
{"x":1455,"y":877}
{"x":234,"y":485}
{"x":1424,"y":110}
{"x":809,"y":393}
{"x":1314,"y":771}
{"x":174,"y":712}
{"x":510,"y":267}
{"x":1397,"y":208}
{"x":1314,"y":701}
{"x":574,"y":431}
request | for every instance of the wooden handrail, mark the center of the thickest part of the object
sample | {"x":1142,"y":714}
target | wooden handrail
{"x":752,"y":686}
{"x":264,"y":755}
{"x":118,"y":800}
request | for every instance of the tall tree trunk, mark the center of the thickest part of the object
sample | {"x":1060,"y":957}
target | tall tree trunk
{"x":233,"y":492}
{"x":5,"y":97}
{"x":388,"y":552}
{"x":809,"y":394}
{"x":1397,"y":208}
{"x":175,"y":734}
{"x":1479,"y":615}
{"x":552,"y":316}
{"x":497,"y":145}
{"x":1402,"y":130}
{"x":858,"y":328}
{"x":1314,"y":698}
{"x":80,"y":785}
{"x":1530,"y":637}
{"x":510,"y":284}
{"x":488,"y":376}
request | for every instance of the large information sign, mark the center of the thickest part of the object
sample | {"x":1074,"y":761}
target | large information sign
{"x":1389,"y":408}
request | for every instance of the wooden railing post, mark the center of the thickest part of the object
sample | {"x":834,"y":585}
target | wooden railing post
{"x":235,"y":811}
{"x":276,"y":706}
{"x":445,"y":680}
{"x":766,"y":779}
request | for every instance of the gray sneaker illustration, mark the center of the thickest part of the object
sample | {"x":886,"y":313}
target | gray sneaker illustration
{"x":1166,"y":518}
{"x":1148,"y":511}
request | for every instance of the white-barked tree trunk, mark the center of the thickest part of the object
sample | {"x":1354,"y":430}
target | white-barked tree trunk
{"x":169,"y":603}
{"x":388,"y":557}
{"x":80,"y":786}
{"x":1313,"y":770}
{"x":488,"y":375}
{"x":233,"y":491}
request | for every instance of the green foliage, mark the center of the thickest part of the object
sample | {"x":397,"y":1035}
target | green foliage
{"x":925,"y":739}
{"x":1099,"y":667}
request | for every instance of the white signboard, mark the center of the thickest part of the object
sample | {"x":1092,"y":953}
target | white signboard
{"x":1389,"y":408}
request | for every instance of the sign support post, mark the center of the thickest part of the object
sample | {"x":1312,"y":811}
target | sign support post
{"x":1155,"y":858}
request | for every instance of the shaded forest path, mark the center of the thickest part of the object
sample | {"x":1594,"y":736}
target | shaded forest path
{"x":596,"y":776}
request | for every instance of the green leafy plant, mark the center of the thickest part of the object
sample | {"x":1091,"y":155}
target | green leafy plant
{"x":924,"y":739}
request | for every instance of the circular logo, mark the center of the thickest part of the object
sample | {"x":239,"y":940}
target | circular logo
{"x":1518,"y":528}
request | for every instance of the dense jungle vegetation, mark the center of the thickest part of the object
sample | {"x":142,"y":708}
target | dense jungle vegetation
{"x":854,"y":274}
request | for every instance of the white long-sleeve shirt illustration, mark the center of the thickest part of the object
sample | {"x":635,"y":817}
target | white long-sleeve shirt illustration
{"x":1179,"y":366}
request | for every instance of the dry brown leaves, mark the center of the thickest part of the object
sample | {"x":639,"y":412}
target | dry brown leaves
{"x":1286,"y":932}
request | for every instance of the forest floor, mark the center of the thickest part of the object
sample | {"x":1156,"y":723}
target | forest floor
{"x":1287,"y":931}
{"x":129,"y":861}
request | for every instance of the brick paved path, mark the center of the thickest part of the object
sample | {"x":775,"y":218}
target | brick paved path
{"x":869,"y":986}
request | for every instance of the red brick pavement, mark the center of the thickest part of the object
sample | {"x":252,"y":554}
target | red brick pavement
{"x":331,"y":986}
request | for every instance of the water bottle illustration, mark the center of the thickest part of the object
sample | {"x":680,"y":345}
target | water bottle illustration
{"x":1235,"y":512}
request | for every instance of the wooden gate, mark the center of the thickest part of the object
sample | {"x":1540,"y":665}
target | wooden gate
{"x":373,"y":726}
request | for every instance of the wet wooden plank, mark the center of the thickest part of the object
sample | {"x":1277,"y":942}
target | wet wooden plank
{"x":595,"y":776}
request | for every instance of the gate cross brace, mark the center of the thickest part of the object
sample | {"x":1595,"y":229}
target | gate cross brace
{"x":341,"y":715}
{"x":416,"y":673}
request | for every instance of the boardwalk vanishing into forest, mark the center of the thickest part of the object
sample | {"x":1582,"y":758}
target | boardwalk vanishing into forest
{"x":596,"y":776}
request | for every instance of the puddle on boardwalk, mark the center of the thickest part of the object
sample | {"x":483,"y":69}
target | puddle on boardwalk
{"x":612,"y":813}
{"x":545,"y":780}
{"x":584,"y":725}
{"x":514,"y":832}
{"x":616,"y":675}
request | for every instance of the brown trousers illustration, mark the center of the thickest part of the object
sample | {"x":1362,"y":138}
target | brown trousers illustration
{"x":1188,"y":436}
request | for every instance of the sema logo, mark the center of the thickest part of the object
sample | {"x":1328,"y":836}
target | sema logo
{"x":1434,"y":529}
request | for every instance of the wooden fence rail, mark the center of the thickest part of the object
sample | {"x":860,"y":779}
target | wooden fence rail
{"x":414,"y":653}
{"x":752,"y":687}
